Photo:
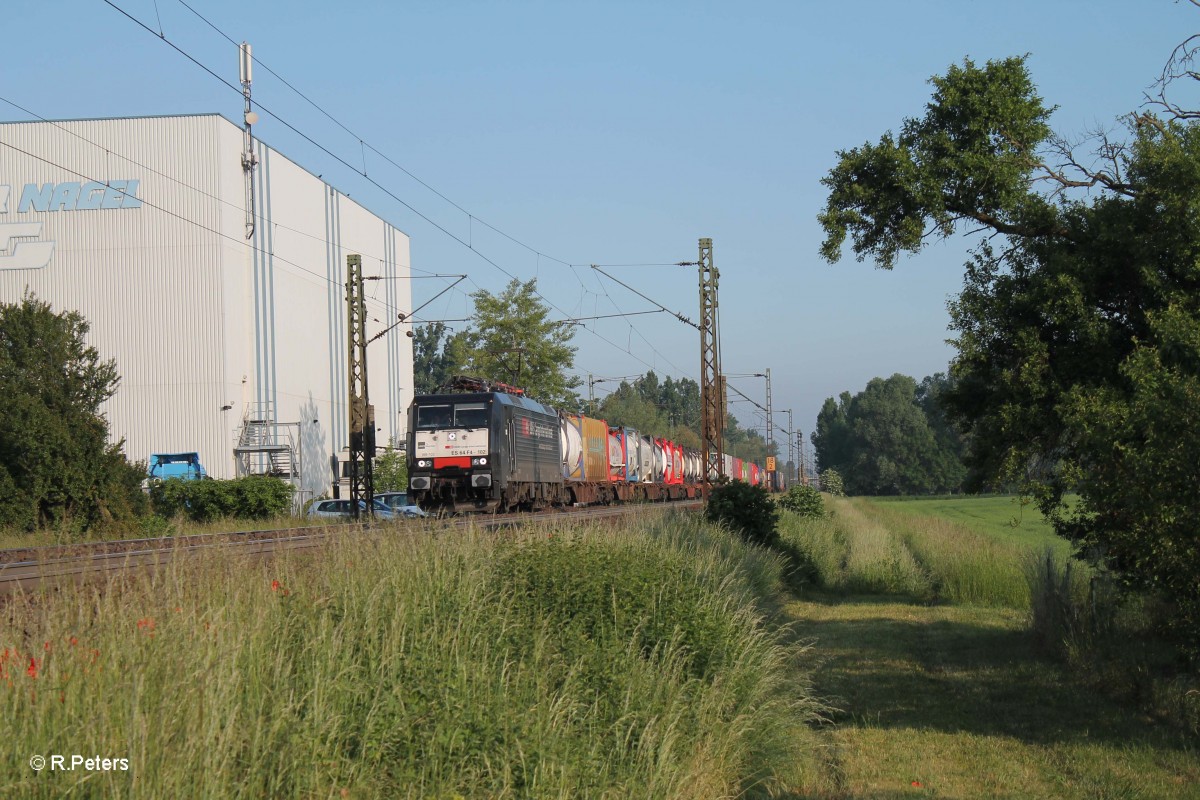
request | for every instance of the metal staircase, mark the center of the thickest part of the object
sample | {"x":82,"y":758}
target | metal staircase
{"x":266,"y":446}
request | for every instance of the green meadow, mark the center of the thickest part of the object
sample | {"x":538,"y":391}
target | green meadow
{"x":934,"y":658}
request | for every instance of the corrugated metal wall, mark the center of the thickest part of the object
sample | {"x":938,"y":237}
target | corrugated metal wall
{"x":205,"y":324}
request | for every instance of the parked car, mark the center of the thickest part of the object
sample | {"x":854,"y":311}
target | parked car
{"x":398,"y":502}
{"x":340,"y":509}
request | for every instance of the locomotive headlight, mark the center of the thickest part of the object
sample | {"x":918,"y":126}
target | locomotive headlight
{"x":479,"y":462}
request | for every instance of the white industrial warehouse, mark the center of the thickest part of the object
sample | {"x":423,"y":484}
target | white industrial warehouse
{"x":215,"y":280}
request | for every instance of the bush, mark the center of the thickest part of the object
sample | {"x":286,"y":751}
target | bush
{"x":804,"y":500}
{"x":747,"y":510}
{"x":391,"y":470}
{"x":831,"y":482}
{"x":252,"y":497}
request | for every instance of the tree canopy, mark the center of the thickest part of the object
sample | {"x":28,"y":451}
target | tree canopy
{"x":886,"y":439}
{"x":433,"y":357}
{"x":511,"y":339}
{"x":57,"y":467}
{"x":671,"y":408}
{"x":1078,"y":327}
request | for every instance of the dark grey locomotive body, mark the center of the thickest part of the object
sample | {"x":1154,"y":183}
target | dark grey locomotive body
{"x":483,"y":451}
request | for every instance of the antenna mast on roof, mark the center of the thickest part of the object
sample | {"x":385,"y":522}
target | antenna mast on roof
{"x":248,"y":158}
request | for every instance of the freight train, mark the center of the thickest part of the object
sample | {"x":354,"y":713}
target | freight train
{"x":485,"y":446}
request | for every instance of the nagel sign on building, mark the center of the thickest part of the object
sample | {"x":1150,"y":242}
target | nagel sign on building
{"x":20,"y":244}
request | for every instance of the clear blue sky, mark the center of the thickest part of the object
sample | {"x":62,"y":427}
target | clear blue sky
{"x":615,"y":133}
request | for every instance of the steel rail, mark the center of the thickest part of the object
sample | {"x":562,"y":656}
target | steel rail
{"x":26,"y":569}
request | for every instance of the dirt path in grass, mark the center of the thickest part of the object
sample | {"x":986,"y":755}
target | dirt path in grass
{"x":953,"y":702}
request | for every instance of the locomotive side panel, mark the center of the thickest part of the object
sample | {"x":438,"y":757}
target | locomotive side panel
{"x":531,"y":451}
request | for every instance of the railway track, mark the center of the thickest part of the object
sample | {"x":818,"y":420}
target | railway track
{"x":24,"y":570}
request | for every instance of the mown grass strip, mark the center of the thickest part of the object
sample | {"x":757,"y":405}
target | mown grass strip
{"x":945,"y":691}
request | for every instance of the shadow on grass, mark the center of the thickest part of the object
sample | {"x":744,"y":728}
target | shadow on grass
{"x":908,"y":669}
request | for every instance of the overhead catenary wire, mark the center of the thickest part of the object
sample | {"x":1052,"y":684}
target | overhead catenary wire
{"x":202,"y":192}
{"x":344,"y":162}
{"x":675,"y":314}
{"x":367,"y":146}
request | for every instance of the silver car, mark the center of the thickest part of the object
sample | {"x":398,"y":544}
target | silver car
{"x":399,"y":505}
{"x":340,"y":509}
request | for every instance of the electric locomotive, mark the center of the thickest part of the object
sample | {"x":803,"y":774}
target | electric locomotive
{"x":491,"y":449}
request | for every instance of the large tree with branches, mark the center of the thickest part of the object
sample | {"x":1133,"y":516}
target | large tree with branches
{"x":1078,"y":327}
{"x":513,"y":340}
{"x":57,"y":467}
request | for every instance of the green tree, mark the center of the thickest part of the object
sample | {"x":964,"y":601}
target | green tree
{"x":626,"y":406}
{"x":831,"y":438}
{"x":56,"y":465}
{"x":1079,"y":322}
{"x":390,"y":470}
{"x":514,"y":341}
{"x":883,"y":441}
{"x":437,"y":355}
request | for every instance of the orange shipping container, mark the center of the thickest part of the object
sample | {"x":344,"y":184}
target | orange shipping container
{"x":595,"y":449}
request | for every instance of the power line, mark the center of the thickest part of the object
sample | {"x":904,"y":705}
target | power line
{"x":203,"y":193}
{"x":181,"y":217}
{"x":675,"y":314}
{"x":373,"y":182}
{"x":367,"y":146}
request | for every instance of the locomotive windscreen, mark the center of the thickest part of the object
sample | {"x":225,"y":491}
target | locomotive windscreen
{"x":434,"y":417}
{"x":470,"y":415}
{"x":459,"y":415}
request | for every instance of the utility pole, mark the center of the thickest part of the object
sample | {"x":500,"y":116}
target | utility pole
{"x":791,"y":448}
{"x":800,"y":447}
{"x":362,"y":413}
{"x":712,"y":386}
{"x":770,"y":426}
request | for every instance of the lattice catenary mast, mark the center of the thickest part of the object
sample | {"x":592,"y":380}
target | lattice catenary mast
{"x":711,"y":385}
{"x":362,"y":413}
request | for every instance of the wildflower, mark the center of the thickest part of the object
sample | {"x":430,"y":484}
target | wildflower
{"x":917,"y":784}
{"x":33,"y":668}
{"x":274,"y":586}
{"x":47,"y":647}
{"x":74,"y":641}
{"x":178,"y":610}
{"x":146,"y":624}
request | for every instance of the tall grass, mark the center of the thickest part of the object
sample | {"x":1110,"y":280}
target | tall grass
{"x":1108,"y":638}
{"x":554,"y":663}
{"x":880,"y":549}
{"x":851,"y":554}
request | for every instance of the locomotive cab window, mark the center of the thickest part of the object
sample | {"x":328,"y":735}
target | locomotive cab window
{"x":433,"y":417}
{"x":470,"y":415}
